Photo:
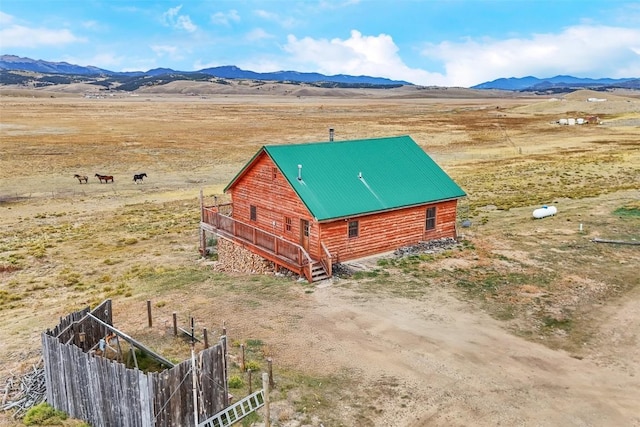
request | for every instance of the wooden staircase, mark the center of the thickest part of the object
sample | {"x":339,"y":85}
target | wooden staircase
{"x":318,"y":272}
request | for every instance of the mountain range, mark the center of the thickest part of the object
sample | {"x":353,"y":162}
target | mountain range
{"x":531,"y":83}
{"x":16,"y":63}
{"x":12,"y":70}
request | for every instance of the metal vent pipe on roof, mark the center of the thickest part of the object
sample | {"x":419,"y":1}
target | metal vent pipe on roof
{"x":299,"y":172}
{"x":331,"y":134}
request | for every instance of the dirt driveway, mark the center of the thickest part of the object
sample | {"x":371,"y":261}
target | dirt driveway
{"x":442,"y":363}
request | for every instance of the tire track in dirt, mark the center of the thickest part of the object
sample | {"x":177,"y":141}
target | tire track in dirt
{"x":459,"y":367}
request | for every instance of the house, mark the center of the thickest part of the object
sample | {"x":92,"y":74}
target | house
{"x":308,"y":206}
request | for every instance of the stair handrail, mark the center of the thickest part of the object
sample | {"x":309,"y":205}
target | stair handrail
{"x":305,"y":259}
{"x":327,"y":259}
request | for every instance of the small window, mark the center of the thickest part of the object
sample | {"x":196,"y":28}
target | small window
{"x":253,"y":214}
{"x":287,"y":224}
{"x":274,"y":173}
{"x":353,"y":229}
{"x":431,"y":218}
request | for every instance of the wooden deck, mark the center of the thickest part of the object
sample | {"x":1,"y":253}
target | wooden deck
{"x":282,"y":252}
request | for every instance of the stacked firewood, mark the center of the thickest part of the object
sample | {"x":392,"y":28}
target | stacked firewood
{"x":233,"y":258}
{"x":21,"y":392}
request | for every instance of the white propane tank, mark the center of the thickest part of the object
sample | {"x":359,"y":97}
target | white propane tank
{"x":545,"y":211}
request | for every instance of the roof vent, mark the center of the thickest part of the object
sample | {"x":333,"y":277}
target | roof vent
{"x":331,"y":134}
{"x":299,"y":172}
{"x":360,"y":175}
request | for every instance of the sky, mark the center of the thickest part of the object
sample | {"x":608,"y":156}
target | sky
{"x":453,"y":43}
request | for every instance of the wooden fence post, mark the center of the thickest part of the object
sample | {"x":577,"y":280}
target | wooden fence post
{"x":270,"y":367}
{"x":175,"y":324}
{"x":201,"y":206}
{"x":206,"y":338}
{"x":267,"y":409}
{"x":250,"y":385}
{"x":203,"y":242}
{"x":149,"y":313}
{"x":242,"y":368}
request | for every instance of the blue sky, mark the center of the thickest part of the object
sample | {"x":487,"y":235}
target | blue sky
{"x":428,"y":42}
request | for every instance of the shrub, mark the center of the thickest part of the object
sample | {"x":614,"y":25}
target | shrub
{"x":44,"y":415}
{"x":235,"y":381}
{"x":253,"y":365}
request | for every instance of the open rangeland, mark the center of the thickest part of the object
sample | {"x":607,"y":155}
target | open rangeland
{"x":525,"y":322}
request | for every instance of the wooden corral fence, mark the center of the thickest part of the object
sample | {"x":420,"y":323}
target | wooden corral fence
{"x":106,"y":393}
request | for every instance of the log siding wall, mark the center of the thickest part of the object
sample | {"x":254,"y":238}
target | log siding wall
{"x":275,"y":201}
{"x":387,"y":231}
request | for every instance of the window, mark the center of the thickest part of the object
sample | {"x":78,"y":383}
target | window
{"x":353,"y":229}
{"x":431,"y":218}
{"x":274,"y":173}
{"x":253,"y":214}
{"x":287,"y":224}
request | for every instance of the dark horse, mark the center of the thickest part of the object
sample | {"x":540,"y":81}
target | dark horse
{"x":139,"y":177}
{"x":105,"y":178}
{"x":82,"y":178}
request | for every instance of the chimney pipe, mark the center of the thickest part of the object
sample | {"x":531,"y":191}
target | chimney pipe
{"x":331,"y":134}
{"x":299,"y":172}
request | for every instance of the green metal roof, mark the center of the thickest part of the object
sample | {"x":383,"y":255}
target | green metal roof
{"x":349,"y":178}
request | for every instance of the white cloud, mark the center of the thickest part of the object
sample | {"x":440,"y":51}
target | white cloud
{"x":105,"y":60}
{"x":582,"y":51}
{"x":222,"y":18}
{"x":358,"y":55}
{"x":5,"y":19}
{"x":596,"y":51}
{"x":172,"y":18}
{"x":91,"y":25}
{"x":20,"y":36}
{"x":185,"y":23}
{"x":270,"y":16}
{"x":258,"y":34}
{"x":287,"y":22}
{"x":337,"y":5}
{"x":173,"y":52}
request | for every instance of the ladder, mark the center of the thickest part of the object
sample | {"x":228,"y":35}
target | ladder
{"x":234,"y":413}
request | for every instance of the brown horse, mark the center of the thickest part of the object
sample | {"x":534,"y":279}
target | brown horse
{"x":105,"y":178}
{"x":82,"y":178}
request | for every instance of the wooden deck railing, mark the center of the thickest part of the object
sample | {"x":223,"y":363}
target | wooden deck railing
{"x":326,"y":259}
{"x":272,"y":247}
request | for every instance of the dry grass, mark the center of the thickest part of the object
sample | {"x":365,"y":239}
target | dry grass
{"x":65,"y":245}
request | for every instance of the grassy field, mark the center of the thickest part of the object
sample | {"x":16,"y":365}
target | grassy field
{"x":65,"y":245}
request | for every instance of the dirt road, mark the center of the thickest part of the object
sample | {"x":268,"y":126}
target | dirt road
{"x":442,"y":363}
